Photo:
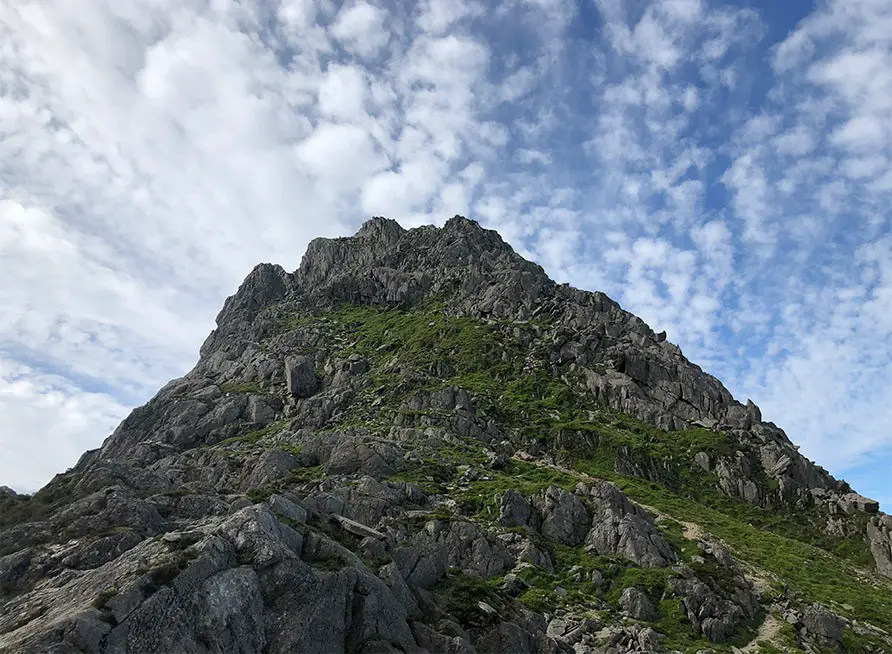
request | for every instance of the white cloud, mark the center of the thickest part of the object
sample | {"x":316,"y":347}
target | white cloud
{"x":713,"y":239}
{"x":362,"y":28}
{"x":405,"y":191}
{"x":438,"y":16}
{"x":339,"y":156}
{"x":860,"y":133}
{"x":527,"y":156}
{"x":299,"y":14}
{"x":796,"y":142}
{"x":831,"y":149}
{"x":343,"y":92}
{"x":69,"y":308}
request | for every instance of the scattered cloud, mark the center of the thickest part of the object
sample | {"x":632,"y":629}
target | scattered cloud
{"x":728,"y":185}
{"x":361,"y":28}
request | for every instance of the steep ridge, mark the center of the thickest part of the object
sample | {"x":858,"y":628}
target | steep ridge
{"x":419,"y":442}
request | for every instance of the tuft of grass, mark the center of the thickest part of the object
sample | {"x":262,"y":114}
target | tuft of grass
{"x":539,"y":599}
{"x":461,"y":594}
{"x":855,"y":642}
{"x":164,"y":574}
{"x":652,"y":581}
{"x":253,"y":437}
{"x":304,"y":475}
{"x":294,"y":450}
{"x":431,"y":475}
{"x":177,"y":492}
{"x":482,"y":497}
{"x":331,"y":563}
{"x":101,"y":600}
{"x":258,"y":495}
{"x":241,"y":387}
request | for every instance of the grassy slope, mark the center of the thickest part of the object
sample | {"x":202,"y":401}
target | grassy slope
{"x":511,"y":383}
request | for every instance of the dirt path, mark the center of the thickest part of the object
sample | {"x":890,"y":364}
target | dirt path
{"x":691,"y":530}
{"x":768,"y":631}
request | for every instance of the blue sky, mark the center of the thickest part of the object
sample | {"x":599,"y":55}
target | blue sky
{"x":719,"y":168}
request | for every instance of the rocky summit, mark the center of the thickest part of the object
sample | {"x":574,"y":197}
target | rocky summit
{"x":418,"y":442}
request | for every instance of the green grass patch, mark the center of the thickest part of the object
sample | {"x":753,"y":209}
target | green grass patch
{"x":505,"y":366}
{"x":330,"y":563}
{"x":101,"y":600}
{"x":854,"y":642}
{"x":241,"y":387}
{"x":305,"y":475}
{"x":164,"y":574}
{"x":673,"y":531}
{"x":254,"y":436}
{"x":610,"y":445}
{"x":482,"y":357}
{"x":651,"y":581}
{"x":258,"y":495}
{"x":540,"y":600}
{"x":431,"y":475}
{"x":461,"y":594}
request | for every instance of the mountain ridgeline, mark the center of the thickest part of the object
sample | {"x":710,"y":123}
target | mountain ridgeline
{"x":418,"y":442}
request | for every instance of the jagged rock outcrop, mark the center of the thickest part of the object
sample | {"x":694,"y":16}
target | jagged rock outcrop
{"x":300,"y":377}
{"x":402,"y":446}
{"x":823,"y":626}
{"x":563,"y":517}
{"x":634,"y":602}
{"x":620,"y":528}
{"x":879,"y":534}
{"x":715,"y":611}
{"x":516,"y":511}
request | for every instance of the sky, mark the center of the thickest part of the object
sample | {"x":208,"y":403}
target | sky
{"x":719,"y":168}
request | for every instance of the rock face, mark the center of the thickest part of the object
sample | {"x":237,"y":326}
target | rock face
{"x":417,"y":442}
{"x":879,"y":533}
{"x":821,"y":622}
{"x":622,"y":529}
{"x":300,"y":377}
{"x":637,"y":605}
{"x":563,"y":517}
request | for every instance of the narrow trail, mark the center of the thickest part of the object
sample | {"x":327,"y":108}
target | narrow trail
{"x":768,"y":631}
{"x":692,"y":530}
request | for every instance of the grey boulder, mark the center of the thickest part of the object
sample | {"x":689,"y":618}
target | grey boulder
{"x":634,"y":602}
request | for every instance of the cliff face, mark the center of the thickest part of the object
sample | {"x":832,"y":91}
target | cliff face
{"x":418,"y":442}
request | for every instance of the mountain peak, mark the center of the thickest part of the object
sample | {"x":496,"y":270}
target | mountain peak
{"x":461,"y":223}
{"x":418,"y":442}
{"x":379,"y":227}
